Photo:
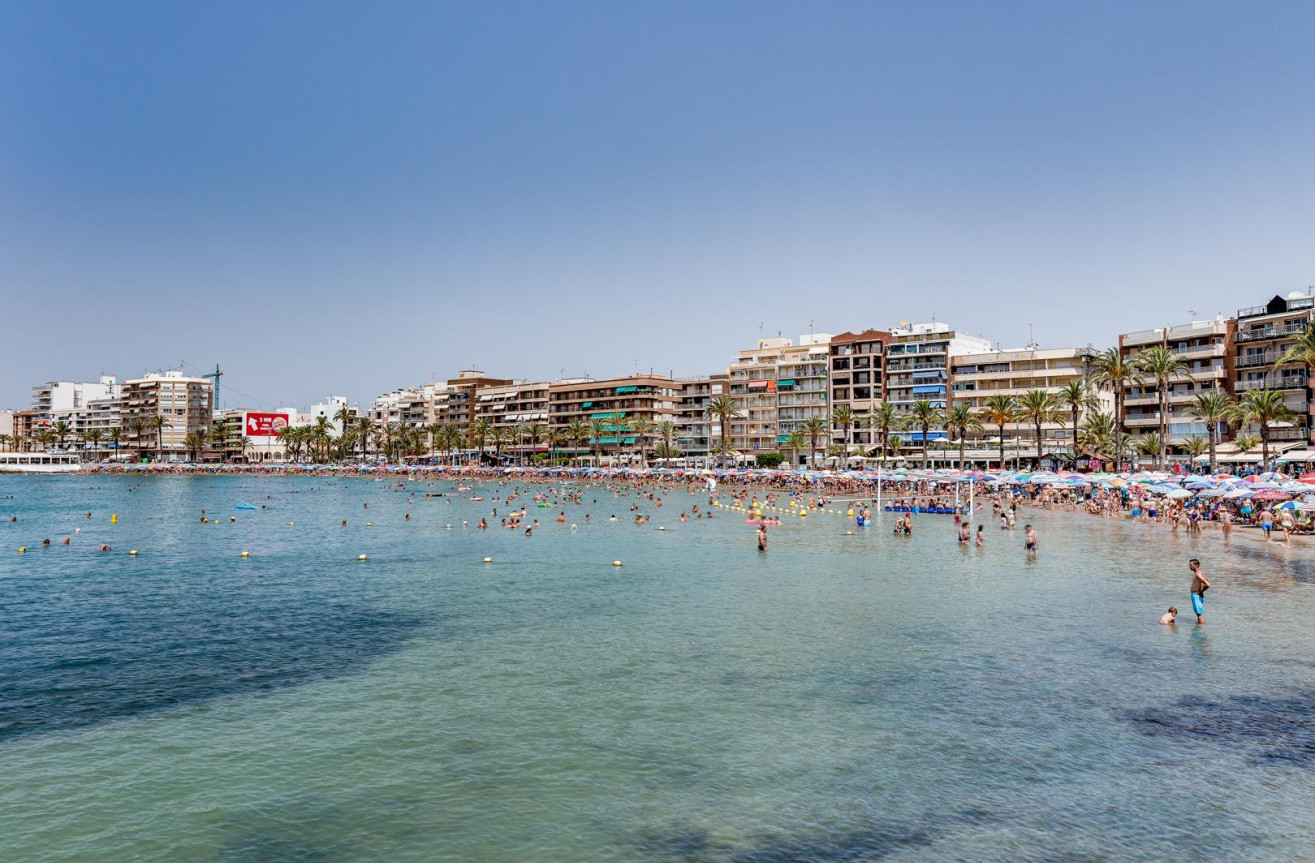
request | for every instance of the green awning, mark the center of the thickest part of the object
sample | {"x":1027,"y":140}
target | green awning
{"x":623,"y":390}
{"x":587,"y":405}
{"x":785,"y":383}
{"x":607,"y":416}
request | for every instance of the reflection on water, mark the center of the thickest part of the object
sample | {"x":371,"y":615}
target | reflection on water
{"x":840,"y":698}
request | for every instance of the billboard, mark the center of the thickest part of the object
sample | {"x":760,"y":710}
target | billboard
{"x":265,"y":425}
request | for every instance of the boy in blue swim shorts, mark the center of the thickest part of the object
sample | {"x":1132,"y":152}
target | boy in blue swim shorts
{"x":1200,"y":584}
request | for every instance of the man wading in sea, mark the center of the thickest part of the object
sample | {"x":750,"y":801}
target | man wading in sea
{"x":1200,"y":584}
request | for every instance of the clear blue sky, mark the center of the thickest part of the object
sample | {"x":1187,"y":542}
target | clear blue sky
{"x":331,"y":197}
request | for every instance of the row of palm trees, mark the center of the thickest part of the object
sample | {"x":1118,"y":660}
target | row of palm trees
{"x":1099,"y":433}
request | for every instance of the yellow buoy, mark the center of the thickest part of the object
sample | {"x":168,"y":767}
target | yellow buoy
{"x":22,"y":549}
{"x":132,"y":553}
{"x":369,"y":524}
{"x":246,"y":554}
{"x":661,"y":528}
{"x":291,"y":523}
{"x":803,"y":515}
{"x":849,"y":533}
{"x":850,"y":513}
{"x":616,"y":563}
{"x":448,"y":526}
{"x":361,"y":557}
{"x":114,"y":518}
{"x":488,"y":560}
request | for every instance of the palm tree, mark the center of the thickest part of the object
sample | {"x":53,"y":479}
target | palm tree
{"x":815,"y":428}
{"x":1262,"y":407}
{"x":364,"y":428}
{"x":578,"y":432}
{"x":537,"y":433}
{"x":344,"y":416}
{"x":959,"y":421}
{"x":667,"y":431}
{"x":554,"y":437}
{"x":620,"y":428}
{"x":598,"y":428}
{"x":477,"y":433}
{"x":93,"y":436}
{"x":724,"y":410}
{"x":158,"y":424}
{"x":499,"y":437}
{"x":924,"y":414}
{"x":1097,"y":435}
{"x":61,"y":430}
{"x":1214,"y":409}
{"x":1038,"y":407}
{"x":1076,"y":395}
{"x":843,"y":416}
{"x":1000,"y":411}
{"x":1150,"y":445}
{"x":894,"y":443}
{"x":1245,"y":442}
{"x":1112,"y":370}
{"x":1161,"y":364}
{"x":1301,"y":351}
{"x":5,"y":441}
{"x":643,"y":428}
{"x":1195,"y":445}
{"x":796,"y":441}
{"x":116,"y":437}
{"x":883,"y":420}
{"x":434,"y":430}
{"x":194,"y":440}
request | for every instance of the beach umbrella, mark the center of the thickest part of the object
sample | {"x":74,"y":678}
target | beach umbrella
{"x":1177,"y":493}
{"x":1270,"y":494}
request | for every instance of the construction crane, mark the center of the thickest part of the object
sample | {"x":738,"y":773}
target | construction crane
{"x":214,"y":377}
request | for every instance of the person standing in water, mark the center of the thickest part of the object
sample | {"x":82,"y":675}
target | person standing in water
{"x":762,"y":537}
{"x":1200,"y":584}
{"x":1030,"y":541}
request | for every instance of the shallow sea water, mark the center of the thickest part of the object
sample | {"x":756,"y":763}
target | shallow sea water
{"x":841,"y":698}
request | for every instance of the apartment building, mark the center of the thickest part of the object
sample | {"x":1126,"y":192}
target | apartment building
{"x":329,"y":409}
{"x":458,"y":405}
{"x":696,"y":430}
{"x":515,"y":407}
{"x":1207,"y":349}
{"x":857,"y":380}
{"x":1263,"y":334}
{"x":55,"y":398}
{"x":776,"y":387}
{"x":617,"y":401}
{"x":186,"y":404}
{"x":803,"y":382}
{"x":976,"y":378}
{"x":918,"y":361}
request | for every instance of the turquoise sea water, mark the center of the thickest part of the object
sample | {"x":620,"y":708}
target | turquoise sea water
{"x":841,"y":698}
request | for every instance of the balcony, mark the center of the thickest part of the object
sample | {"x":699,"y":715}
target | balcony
{"x":1292,"y":306}
{"x":1293,"y":328}
{"x":1266,"y":358}
{"x":1284,"y":382}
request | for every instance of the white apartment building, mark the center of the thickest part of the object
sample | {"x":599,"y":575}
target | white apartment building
{"x":918,"y":366}
{"x":976,"y":378}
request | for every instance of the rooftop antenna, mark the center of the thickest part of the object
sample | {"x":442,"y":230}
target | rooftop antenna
{"x":760,"y":331}
{"x":1191,"y":314}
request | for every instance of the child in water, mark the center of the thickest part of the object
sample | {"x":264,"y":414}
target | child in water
{"x":1169,"y":616}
